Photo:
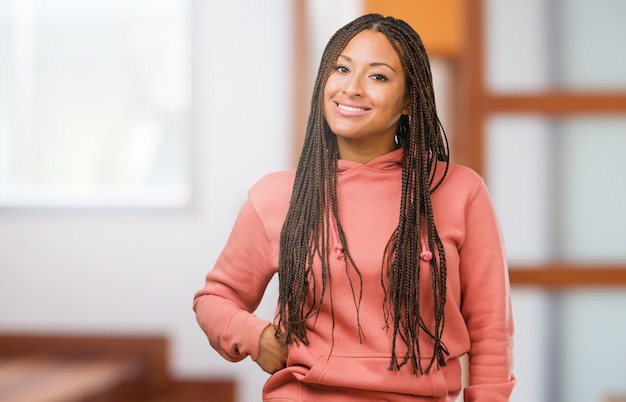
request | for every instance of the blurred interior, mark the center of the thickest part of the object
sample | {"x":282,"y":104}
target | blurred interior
{"x":130,"y":132}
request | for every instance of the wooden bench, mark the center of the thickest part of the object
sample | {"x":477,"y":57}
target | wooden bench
{"x":57,"y":379}
{"x":77,"y":368}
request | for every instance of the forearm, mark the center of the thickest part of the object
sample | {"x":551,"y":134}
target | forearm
{"x":233,"y":289}
{"x":233,"y":332}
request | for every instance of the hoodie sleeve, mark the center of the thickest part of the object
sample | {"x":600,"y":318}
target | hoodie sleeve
{"x":234,"y":288}
{"x":486,"y":303}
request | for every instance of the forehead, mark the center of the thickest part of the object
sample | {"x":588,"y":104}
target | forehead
{"x":371,"y":46}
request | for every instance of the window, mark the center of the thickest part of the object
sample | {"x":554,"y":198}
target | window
{"x":95,"y":100}
{"x":548,"y":112}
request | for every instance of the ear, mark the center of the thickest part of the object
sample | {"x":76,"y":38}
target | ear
{"x":407,"y":107}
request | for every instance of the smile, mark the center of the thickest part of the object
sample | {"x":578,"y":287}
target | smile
{"x":351,"y":108}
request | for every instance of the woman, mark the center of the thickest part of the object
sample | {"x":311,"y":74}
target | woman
{"x":390,"y":260}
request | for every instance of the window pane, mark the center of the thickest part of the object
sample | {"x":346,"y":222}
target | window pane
{"x":516,"y":48}
{"x":97,"y":107}
{"x":593,"y":352}
{"x":557,"y":185}
{"x":592,"y":188}
{"x":569,"y":345}
{"x":532,"y":367}
{"x":593,"y":38}
{"x":518,"y":159}
{"x":537,"y":45}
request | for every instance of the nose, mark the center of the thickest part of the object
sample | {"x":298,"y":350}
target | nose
{"x":352,"y":86}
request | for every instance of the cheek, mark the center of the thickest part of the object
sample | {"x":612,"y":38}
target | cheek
{"x":327,"y":94}
{"x":325,"y":103}
{"x":330,"y":88}
{"x":389,"y":101}
{"x":399,"y":102}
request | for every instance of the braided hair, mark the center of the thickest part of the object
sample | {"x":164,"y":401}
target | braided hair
{"x":305,"y":235}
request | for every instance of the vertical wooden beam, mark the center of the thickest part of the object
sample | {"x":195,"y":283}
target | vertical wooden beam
{"x":300,"y":77}
{"x":471,"y":99}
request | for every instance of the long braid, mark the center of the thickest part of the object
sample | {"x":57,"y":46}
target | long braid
{"x":425,"y":145}
{"x":305,"y":235}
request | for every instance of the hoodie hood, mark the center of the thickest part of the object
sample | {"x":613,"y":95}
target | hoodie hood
{"x":388,"y":161}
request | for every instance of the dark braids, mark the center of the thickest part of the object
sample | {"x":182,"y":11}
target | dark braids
{"x":313,"y":212}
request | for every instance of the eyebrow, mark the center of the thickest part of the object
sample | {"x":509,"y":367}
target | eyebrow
{"x":373,"y":64}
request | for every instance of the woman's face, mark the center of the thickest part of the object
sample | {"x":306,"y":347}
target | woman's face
{"x":365,"y":96}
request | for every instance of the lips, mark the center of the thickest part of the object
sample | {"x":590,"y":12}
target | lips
{"x":350,"y":108}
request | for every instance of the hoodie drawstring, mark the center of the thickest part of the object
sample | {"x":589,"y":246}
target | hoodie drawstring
{"x":425,"y":254}
{"x":334,"y":233}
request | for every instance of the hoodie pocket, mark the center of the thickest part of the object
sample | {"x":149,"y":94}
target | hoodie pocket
{"x":372,"y":373}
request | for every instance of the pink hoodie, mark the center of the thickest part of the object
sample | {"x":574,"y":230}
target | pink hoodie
{"x":478,"y":317}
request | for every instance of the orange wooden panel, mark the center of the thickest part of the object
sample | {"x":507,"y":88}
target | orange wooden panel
{"x":437,"y":21}
{"x":558,"y":103}
{"x":564,"y":276}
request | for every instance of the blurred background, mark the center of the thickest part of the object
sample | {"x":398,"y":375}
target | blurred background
{"x":131,"y":130}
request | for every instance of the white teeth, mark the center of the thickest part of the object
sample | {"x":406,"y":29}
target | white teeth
{"x":350,"y":108}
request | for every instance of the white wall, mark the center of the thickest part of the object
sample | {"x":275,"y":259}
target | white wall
{"x":135,"y":271}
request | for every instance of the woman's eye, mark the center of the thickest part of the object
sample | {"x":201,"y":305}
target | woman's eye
{"x":379,"y":77}
{"x":341,"y":69}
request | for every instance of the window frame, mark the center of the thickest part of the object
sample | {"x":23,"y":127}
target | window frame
{"x":477,"y":104}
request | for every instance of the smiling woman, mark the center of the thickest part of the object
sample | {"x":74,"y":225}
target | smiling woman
{"x":96,"y":106}
{"x":390,"y":262}
{"x":365,"y":97}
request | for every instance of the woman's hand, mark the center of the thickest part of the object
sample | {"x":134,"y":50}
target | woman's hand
{"x":272,"y":353}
